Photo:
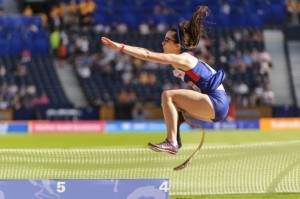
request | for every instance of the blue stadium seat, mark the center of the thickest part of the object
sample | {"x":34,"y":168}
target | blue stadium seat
{"x":15,"y":45}
{"x":237,"y":21}
{"x":222,"y":20}
{"x":131,"y":20}
{"x":4,"y":49}
{"x":277,"y":14}
{"x":253,"y":20}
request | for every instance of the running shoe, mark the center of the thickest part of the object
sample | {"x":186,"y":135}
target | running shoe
{"x":165,"y":146}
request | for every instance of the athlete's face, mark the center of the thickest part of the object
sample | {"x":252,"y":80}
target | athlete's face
{"x":170,"y":45}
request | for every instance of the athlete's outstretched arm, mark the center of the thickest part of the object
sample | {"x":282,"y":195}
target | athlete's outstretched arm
{"x":179,"y":60}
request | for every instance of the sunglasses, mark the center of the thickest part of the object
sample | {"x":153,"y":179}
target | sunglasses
{"x":166,"y":39}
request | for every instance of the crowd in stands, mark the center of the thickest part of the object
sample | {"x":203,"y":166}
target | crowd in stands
{"x":247,"y":69}
{"x":292,"y":9}
{"x":111,"y":78}
{"x":17,"y":90}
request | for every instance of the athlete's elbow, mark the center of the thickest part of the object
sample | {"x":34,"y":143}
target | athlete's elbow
{"x":146,"y":55}
{"x":149,"y":56}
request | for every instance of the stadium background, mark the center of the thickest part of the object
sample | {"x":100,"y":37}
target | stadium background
{"x":53,"y":59}
{"x":54,"y":68}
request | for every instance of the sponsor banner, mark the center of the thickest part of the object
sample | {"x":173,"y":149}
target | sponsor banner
{"x":67,"y":127}
{"x":238,"y":124}
{"x":135,"y":126}
{"x":13,"y":127}
{"x":280,"y":124}
{"x":85,"y":188}
{"x":139,"y":126}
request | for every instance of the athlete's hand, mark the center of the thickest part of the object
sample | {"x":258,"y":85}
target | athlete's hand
{"x":111,"y":44}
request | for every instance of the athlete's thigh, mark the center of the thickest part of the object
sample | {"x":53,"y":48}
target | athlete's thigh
{"x":198,"y":105}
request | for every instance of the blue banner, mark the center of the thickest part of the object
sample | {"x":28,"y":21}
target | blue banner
{"x":134,"y":126}
{"x":238,"y":124}
{"x":85,"y":188}
{"x":139,"y":126}
{"x":11,"y":127}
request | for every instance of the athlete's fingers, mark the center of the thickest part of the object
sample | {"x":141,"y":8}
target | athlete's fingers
{"x":105,"y":40}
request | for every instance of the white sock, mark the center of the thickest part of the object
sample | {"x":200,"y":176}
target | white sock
{"x":173,"y":141}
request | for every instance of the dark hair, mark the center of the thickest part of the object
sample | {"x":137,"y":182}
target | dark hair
{"x":189,"y":32}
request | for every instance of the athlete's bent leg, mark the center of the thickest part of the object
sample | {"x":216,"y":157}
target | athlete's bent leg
{"x":198,"y":105}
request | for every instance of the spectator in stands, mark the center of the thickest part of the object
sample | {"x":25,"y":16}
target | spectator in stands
{"x":43,"y":99}
{"x":231,"y":116}
{"x":2,"y":11}
{"x":97,"y":102}
{"x":72,"y":7}
{"x":82,"y":44}
{"x":151,"y":65}
{"x":124,"y":105}
{"x":44,"y":18}
{"x":152,"y":78}
{"x":265,"y":68}
{"x":257,"y":94}
{"x":123,"y":97}
{"x":255,"y":56}
{"x":91,"y":6}
{"x":12,"y":90}
{"x":83,"y":66}
{"x":237,"y":35}
{"x":71,"y":18}
{"x":21,"y":70}
{"x":31,"y":90}
{"x":161,"y":27}
{"x":55,"y":20}
{"x":2,"y":71}
{"x":86,"y":8}
{"x":25,"y":56}
{"x":40,"y":100}
{"x":3,"y":87}
{"x":55,"y":41}
{"x":298,"y":11}
{"x":268,"y":95}
{"x":179,"y":45}
{"x":264,"y":56}
{"x":242,"y":88}
{"x":122,"y":28}
{"x":62,"y":9}
{"x":22,"y":90}
{"x":143,"y":77}
{"x":137,"y":112}
{"x":4,"y":104}
{"x":16,"y":103}
{"x":290,"y":7}
{"x":225,"y":8}
{"x":62,"y":51}
{"x":28,"y":11}
{"x":144,"y":28}
{"x":107,"y":99}
{"x":100,"y":28}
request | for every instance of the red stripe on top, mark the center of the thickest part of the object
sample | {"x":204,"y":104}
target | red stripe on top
{"x":193,"y":75}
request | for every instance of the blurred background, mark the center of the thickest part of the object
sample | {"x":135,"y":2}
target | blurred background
{"x":53,"y":66}
{"x":57,"y":79}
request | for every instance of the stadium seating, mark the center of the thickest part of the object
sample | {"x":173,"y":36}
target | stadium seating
{"x":15,"y":36}
{"x":98,"y":85}
{"x":39,"y":71}
{"x":262,"y":12}
{"x":46,"y":79}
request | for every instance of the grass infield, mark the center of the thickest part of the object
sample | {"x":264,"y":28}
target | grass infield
{"x":140,"y":140}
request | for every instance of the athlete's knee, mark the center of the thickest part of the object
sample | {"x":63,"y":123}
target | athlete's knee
{"x":166,"y":96}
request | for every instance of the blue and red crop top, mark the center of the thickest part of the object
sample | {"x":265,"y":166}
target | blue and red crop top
{"x":202,"y":77}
